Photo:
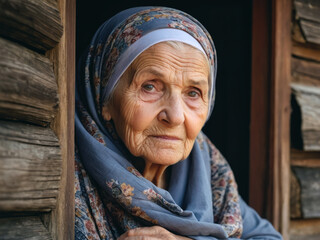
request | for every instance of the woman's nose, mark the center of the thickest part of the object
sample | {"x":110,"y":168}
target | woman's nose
{"x":173,"y":112}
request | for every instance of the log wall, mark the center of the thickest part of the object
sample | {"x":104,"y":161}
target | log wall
{"x":30,"y":167}
{"x":305,"y":121}
{"x":28,"y":90}
{"x":35,"y":24}
{"x":36,"y":119}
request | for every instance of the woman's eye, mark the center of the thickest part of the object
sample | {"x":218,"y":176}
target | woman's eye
{"x":193,"y":94}
{"x":148,"y":87}
{"x":151,"y":91}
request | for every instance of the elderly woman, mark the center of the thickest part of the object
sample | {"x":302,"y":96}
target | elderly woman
{"x":144,"y":169}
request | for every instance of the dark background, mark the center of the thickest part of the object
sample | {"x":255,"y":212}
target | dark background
{"x":229,"y":23}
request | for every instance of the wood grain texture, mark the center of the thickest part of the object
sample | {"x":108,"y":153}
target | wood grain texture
{"x":28,"y":89}
{"x":305,"y":79}
{"x":30,"y":167}
{"x":308,"y":98}
{"x":305,"y":229}
{"x":306,"y":68}
{"x":63,"y":57}
{"x":308,"y":51}
{"x":304,"y":237}
{"x":306,"y":91}
{"x":308,"y":9}
{"x":311,"y":30}
{"x":309,"y":179}
{"x":301,"y":158}
{"x":33,"y":23}
{"x":308,"y":16}
{"x":23,"y":228}
{"x":280,"y":117}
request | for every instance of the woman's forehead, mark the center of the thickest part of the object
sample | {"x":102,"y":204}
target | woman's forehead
{"x":161,"y":56}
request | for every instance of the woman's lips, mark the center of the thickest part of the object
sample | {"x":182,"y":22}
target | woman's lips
{"x":166,"y":137}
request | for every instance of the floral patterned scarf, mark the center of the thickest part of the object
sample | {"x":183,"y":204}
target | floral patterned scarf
{"x":201,"y":201}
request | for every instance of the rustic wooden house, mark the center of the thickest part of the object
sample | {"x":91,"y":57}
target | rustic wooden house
{"x":281,"y":80}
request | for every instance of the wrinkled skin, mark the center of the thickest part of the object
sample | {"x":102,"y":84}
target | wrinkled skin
{"x":160,"y":106}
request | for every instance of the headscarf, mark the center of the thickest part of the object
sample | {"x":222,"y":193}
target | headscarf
{"x":201,"y":200}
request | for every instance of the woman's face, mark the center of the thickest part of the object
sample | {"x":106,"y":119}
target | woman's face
{"x":161,"y":103}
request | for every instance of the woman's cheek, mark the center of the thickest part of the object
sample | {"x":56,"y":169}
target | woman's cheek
{"x":138,"y":118}
{"x":195,"y":120}
{"x":142,"y":116}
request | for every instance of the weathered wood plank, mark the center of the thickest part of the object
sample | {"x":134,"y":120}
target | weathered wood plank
{"x":36,"y":24}
{"x":304,"y":237}
{"x":311,"y":30}
{"x":309,"y":179}
{"x":304,"y":159}
{"x":279,"y":145}
{"x":308,"y":98}
{"x":308,"y":51}
{"x":308,"y":16}
{"x":28,"y":89}
{"x":30,"y":167}
{"x":23,"y":228}
{"x":308,"y":9}
{"x":305,"y":228}
{"x":305,"y":72}
{"x":305,"y":80}
{"x":306,"y":67}
{"x":63,"y":57}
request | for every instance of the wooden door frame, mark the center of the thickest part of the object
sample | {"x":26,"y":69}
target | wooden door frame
{"x":270,"y":111}
{"x":63,"y":58}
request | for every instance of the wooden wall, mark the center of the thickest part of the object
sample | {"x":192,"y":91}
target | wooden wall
{"x":305,"y":121}
{"x":36,"y":119}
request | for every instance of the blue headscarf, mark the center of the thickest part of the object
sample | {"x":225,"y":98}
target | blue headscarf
{"x":194,"y":205}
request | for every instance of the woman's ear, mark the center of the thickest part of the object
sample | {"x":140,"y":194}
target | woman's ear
{"x":106,"y":113}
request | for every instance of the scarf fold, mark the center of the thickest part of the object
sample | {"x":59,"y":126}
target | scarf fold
{"x":201,"y":200}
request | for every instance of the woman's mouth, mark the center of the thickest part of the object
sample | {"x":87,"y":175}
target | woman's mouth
{"x":167,"y":137}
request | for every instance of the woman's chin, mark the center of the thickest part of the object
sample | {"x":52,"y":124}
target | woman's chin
{"x":164,"y":157}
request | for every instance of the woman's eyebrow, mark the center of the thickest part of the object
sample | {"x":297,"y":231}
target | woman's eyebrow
{"x":154,"y":72}
{"x":200,"y":82}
